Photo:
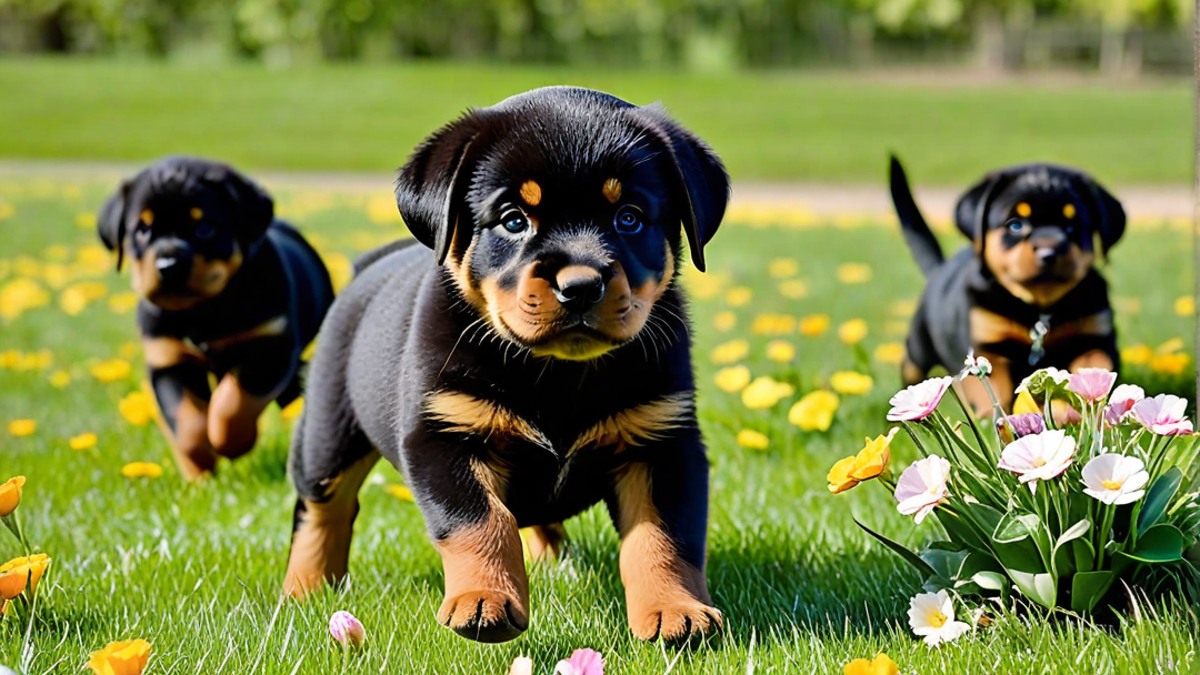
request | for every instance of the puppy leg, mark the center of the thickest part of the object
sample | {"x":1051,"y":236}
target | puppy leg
{"x":1096,"y":358}
{"x":544,"y":542}
{"x":976,"y":395}
{"x":661,"y":511}
{"x":233,"y":418}
{"x":180,"y":382}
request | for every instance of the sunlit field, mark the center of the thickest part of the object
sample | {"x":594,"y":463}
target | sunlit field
{"x":197,"y":569}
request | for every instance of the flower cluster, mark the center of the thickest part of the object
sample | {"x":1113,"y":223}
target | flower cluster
{"x":1089,"y":486}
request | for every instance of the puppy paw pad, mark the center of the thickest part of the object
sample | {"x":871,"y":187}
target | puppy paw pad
{"x":483,"y":616}
{"x":678,"y":622}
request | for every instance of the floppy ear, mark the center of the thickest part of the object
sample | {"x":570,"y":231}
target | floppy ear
{"x":1108,"y":214}
{"x":255,"y":208}
{"x":700,"y":183}
{"x":971,"y":213}
{"x":110,"y":222}
{"x":431,"y":186}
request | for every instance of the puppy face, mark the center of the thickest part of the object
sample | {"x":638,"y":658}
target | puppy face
{"x":186,"y":223}
{"x":562,"y":225}
{"x":1036,"y":227}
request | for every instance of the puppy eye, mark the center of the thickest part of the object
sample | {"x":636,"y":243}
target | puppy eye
{"x":142,"y":234}
{"x":514,"y":222}
{"x":204,"y":230}
{"x":1016,"y":226}
{"x":628,"y":220}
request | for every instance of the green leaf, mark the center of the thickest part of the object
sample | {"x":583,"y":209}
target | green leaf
{"x":1010,"y":530}
{"x":1041,"y":588}
{"x":992,"y":581}
{"x":945,"y":563}
{"x":1087,"y":588}
{"x":1016,"y":528}
{"x":1157,"y":498}
{"x":985,"y":517}
{"x":1063,"y":561}
{"x":1085,"y":555}
{"x":1160,"y":544}
{"x":910,"y":557}
{"x":961,"y":530}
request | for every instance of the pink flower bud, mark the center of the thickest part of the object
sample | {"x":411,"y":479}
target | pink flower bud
{"x":346,"y":629}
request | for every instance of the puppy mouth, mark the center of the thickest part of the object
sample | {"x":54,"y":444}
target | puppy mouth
{"x":571,"y":337}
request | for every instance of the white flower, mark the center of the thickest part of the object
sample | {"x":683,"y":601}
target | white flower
{"x":1162,"y":415}
{"x":919,"y":400}
{"x":975,"y":366}
{"x":1121,"y":402}
{"x":1039,"y":456}
{"x":931,"y":615}
{"x":1043,"y":379}
{"x":1115,"y":479}
{"x":922,"y":486}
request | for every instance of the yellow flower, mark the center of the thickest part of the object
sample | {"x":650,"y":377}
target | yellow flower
{"x":854,"y":273}
{"x":382,"y":210}
{"x":839,"y":476}
{"x":732,"y":379}
{"x":815,"y":411}
{"x":851,"y":383}
{"x":873,"y":459}
{"x":18,"y":573}
{"x":340,"y":269}
{"x":1024,"y":403}
{"x":752,"y":440}
{"x":122,"y":303}
{"x":904,"y":308}
{"x":111,"y":370}
{"x":60,"y":379}
{"x":76,"y":297}
{"x":93,"y":260}
{"x":793,"y":289}
{"x":773,"y":324}
{"x":85,"y":220}
{"x":891,"y":353}
{"x":121,"y":658}
{"x":782,"y":268}
{"x":83,"y":441}
{"x":1185,"y":305}
{"x":814,"y":324}
{"x":19,"y":295}
{"x":853,"y":331}
{"x":730,"y":352}
{"x":882,"y":665}
{"x":10,"y":495}
{"x":704,"y":286}
{"x":141,"y":470}
{"x":725,"y":321}
{"x":293,"y":409}
{"x":400,"y":492}
{"x":20,"y":428}
{"x":1170,"y":364}
{"x":780,"y":351}
{"x":1170,"y":346}
{"x":9,"y":358}
{"x":137,"y":408}
{"x":738,"y":296}
{"x":1137,"y":355}
{"x":765,"y":392}
{"x":129,"y":350}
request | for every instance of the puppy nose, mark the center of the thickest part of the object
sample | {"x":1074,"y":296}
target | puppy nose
{"x":578,"y":287}
{"x":173,"y":268}
{"x":1047,"y":255}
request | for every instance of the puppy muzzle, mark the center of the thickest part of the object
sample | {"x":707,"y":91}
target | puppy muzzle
{"x":173,"y":261}
{"x":579,"y":288}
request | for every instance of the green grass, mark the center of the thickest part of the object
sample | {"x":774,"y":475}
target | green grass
{"x":196,"y":569}
{"x":767,"y":126}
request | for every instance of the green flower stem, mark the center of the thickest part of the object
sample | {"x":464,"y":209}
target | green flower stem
{"x":969,"y":417}
{"x":908,"y":428}
{"x":997,"y":410}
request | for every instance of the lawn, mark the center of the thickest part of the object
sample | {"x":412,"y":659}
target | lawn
{"x":767,"y":125}
{"x":196,"y":569}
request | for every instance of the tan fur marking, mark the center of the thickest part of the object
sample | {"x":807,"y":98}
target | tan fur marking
{"x":664,"y":595}
{"x":197,"y":213}
{"x":612,"y":190}
{"x":638,"y":425}
{"x":161,"y":352}
{"x":321,"y":544}
{"x":531,"y":192}
{"x":268,"y":328}
{"x":1024,"y":210}
{"x":147,"y":217}
{"x":1069,"y":211}
{"x":464,"y":413}
{"x":988,"y":327}
{"x":977,"y":397}
{"x":194,"y":454}
{"x":544,"y":542}
{"x":1016,"y":269}
{"x":1092,"y":359}
{"x":233,"y":418}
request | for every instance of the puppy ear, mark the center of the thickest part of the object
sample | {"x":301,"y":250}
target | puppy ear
{"x":700,"y":182}
{"x":971,"y":213}
{"x":432,"y":185}
{"x":1108,"y":216}
{"x":110,"y":222}
{"x":255,"y":208}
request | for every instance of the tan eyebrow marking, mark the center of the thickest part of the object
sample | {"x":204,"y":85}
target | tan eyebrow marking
{"x":147,"y":217}
{"x":1024,"y":210}
{"x":1069,"y":210}
{"x":197,"y":214}
{"x":531,"y":192}
{"x":612,"y":190}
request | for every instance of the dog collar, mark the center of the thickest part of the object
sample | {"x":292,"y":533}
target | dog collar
{"x":1037,"y":336}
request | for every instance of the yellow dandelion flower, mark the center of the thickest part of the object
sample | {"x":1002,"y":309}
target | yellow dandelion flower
{"x":292,"y":410}
{"x":732,"y":379}
{"x":9,"y":358}
{"x":400,"y":492}
{"x":853,"y":331}
{"x":815,"y":411}
{"x":93,"y":260}
{"x":22,"y":427}
{"x":781,"y":351}
{"x":705,"y":286}
{"x":76,"y":297}
{"x":739,"y":296}
{"x":891,"y":353}
{"x":122,"y":303}
{"x":120,"y":658}
{"x":730,"y":352}
{"x":849,"y":382}
{"x":764,"y":392}
{"x":137,"y":407}
{"x":83,"y":441}
{"x":1170,"y":346}
{"x":753,"y":440}
{"x":814,"y":324}
{"x":19,"y":573}
{"x":725,"y":321}
{"x":142,"y":470}
{"x":60,"y":379}
{"x":111,"y":370}
{"x":1185,"y":305}
{"x":793,"y":289}
{"x":21,"y":295}
{"x":854,"y":273}
{"x":881,"y":665}
{"x":1137,"y":355}
{"x":782,"y":268}
{"x":7,"y":210}
{"x":773,"y":324}
{"x":1170,"y":364}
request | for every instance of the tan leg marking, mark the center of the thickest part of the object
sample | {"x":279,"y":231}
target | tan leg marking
{"x":544,"y":542}
{"x":194,"y":454}
{"x":321,"y":542}
{"x":1093,"y":359}
{"x":233,"y":418}
{"x":976,"y":396}
{"x":665,"y":596}
{"x":487,"y":588}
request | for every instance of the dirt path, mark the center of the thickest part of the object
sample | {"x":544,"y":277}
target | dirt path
{"x":801,"y":202}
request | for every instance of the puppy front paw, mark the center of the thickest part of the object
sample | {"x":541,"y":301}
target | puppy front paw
{"x":484,"y":616}
{"x":675,"y":621}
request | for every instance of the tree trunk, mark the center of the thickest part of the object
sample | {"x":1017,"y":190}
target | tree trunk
{"x":988,"y":36}
{"x":1112,"y":51}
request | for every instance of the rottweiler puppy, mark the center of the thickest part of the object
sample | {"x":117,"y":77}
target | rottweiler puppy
{"x":1026,"y":294}
{"x":527,"y":359}
{"x":225,"y":289}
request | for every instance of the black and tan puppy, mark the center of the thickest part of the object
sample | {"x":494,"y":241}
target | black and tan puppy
{"x":225,"y":289}
{"x":1026,"y":295}
{"x":534,"y":362}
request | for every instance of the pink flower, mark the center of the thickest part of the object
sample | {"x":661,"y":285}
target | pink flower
{"x":1121,"y":402}
{"x":346,"y":629}
{"x":916,"y":402}
{"x":1092,"y":384}
{"x":582,"y":662}
{"x":522,"y":665}
{"x":922,"y":486}
{"x":1162,"y":415}
{"x":1039,"y":456}
{"x":1026,"y":424}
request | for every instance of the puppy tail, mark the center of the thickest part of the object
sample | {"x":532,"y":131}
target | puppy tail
{"x":921,"y":242}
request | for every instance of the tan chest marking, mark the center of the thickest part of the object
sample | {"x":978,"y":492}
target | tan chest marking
{"x":463,"y":413}
{"x":988,"y":327}
{"x":638,"y":425}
